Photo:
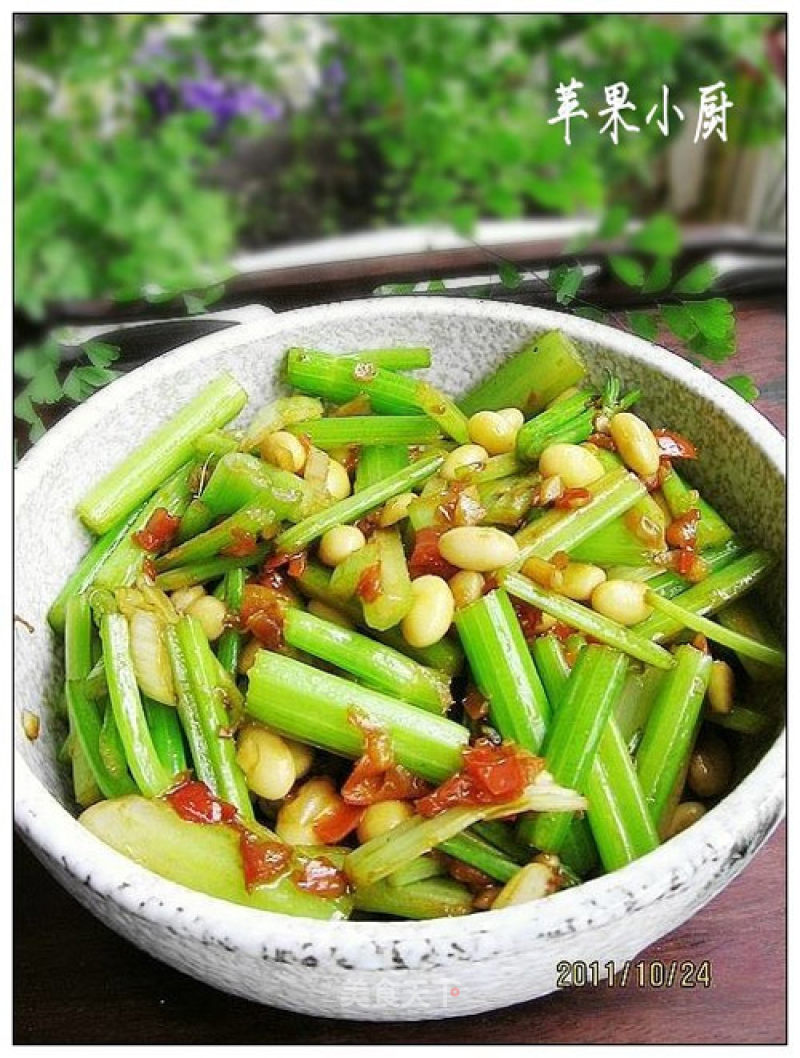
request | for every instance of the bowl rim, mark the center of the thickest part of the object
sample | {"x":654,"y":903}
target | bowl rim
{"x":57,"y":836}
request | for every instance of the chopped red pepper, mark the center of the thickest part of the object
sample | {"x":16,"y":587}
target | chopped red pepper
{"x":490,"y":582}
{"x":297,"y":564}
{"x":528,"y":617}
{"x":375,"y":777}
{"x":682,"y":531}
{"x":474,"y":879}
{"x":257,"y":598}
{"x":194,"y":802}
{"x":244,"y":543}
{"x":159,"y":532}
{"x":684,"y":561}
{"x":350,"y":460}
{"x":491,"y":775}
{"x":572,"y":498}
{"x":323,"y":878}
{"x":263,"y":861}
{"x":368,"y":588}
{"x":475,"y":705}
{"x":337,"y":822}
{"x":369,"y":523}
{"x":562,"y":631}
{"x":426,"y":557}
{"x":674,"y":445}
{"x":262,"y":614}
{"x":603,"y":440}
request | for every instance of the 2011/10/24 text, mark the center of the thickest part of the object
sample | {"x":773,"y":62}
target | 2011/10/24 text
{"x":656,"y":974}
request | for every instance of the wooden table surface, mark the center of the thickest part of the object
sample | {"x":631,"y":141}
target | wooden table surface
{"x":77,"y":982}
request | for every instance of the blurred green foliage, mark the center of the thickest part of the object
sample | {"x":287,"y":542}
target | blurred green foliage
{"x":124,"y":123}
{"x":446,"y":117}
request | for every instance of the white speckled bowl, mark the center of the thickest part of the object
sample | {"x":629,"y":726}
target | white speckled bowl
{"x":380,"y":970}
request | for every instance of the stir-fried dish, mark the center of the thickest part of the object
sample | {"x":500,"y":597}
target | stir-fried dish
{"x":385,"y":653}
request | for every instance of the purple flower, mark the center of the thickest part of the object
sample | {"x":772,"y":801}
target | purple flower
{"x":160,"y":97}
{"x":226,"y":102}
{"x":251,"y":100}
{"x":334,"y":74}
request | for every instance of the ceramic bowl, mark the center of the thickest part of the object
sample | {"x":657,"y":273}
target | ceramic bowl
{"x":381,"y":970}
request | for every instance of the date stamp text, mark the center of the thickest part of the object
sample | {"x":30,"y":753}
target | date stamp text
{"x":685,"y":973}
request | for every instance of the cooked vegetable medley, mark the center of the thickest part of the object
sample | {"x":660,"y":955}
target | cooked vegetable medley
{"x":387,"y":653}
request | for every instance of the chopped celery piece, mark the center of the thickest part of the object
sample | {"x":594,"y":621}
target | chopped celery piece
{"x":135,"y":478}
{"x":316,"y":707}
{"x":204,"y":857}
{"x":529,"y":379}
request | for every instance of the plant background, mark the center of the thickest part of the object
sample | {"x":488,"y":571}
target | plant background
{"x":150,"y":148}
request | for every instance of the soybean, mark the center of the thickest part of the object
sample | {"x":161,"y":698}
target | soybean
{"x":296,"y":818}
{"x":266,"y":761}
{"x":464,"y":460}
{"x":721,"y":687}
{"x":493,"y":432}
{"x":467,"y":587}
{"x":710,"y":766}
{"x":339,"y":543}
{"x":622,"y":601}
{"x":211,"y":614}
{"x":183,"y":598}
{"x":382,"y":817}
{"x":337,"y":481}
{"x":579,"y":580}
{"x":396,"y":509}
{"x":576,"y":466}
{"x":687,"y":813}
{"x":431,"y":612}
{"x":635,"y":443}
{"x":284,"y":450}
{"x":479,"y":548}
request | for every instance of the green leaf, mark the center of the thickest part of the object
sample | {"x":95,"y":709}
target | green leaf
{"x":659,"y":236}
{"x":588,"y":312}
{"x":193,"y":304}
{"x":659,"y":276}
{"x":23,"y":408}
{"x":744,"y":386}
{"x":566,"y":282}
{"x":436,"y":286}
{"x":45,"y":387}
{"x":613,"y":222}
{"x":36,"y":431}
{"x":679,"y":321}
{"x":716,"y":349}
{"x":643,"y":324}
{"x":396,"y":288}
{"x":714,"y":318}
{"x":510,"y":275}
{"x":697,"y":280}
{"x":95,"y":377}
{"x":26,"y":363}
{"x":627,"y":269}
{"x":101,"y":354}
{"x":74,"y":387}
{"x":213,"y":294}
